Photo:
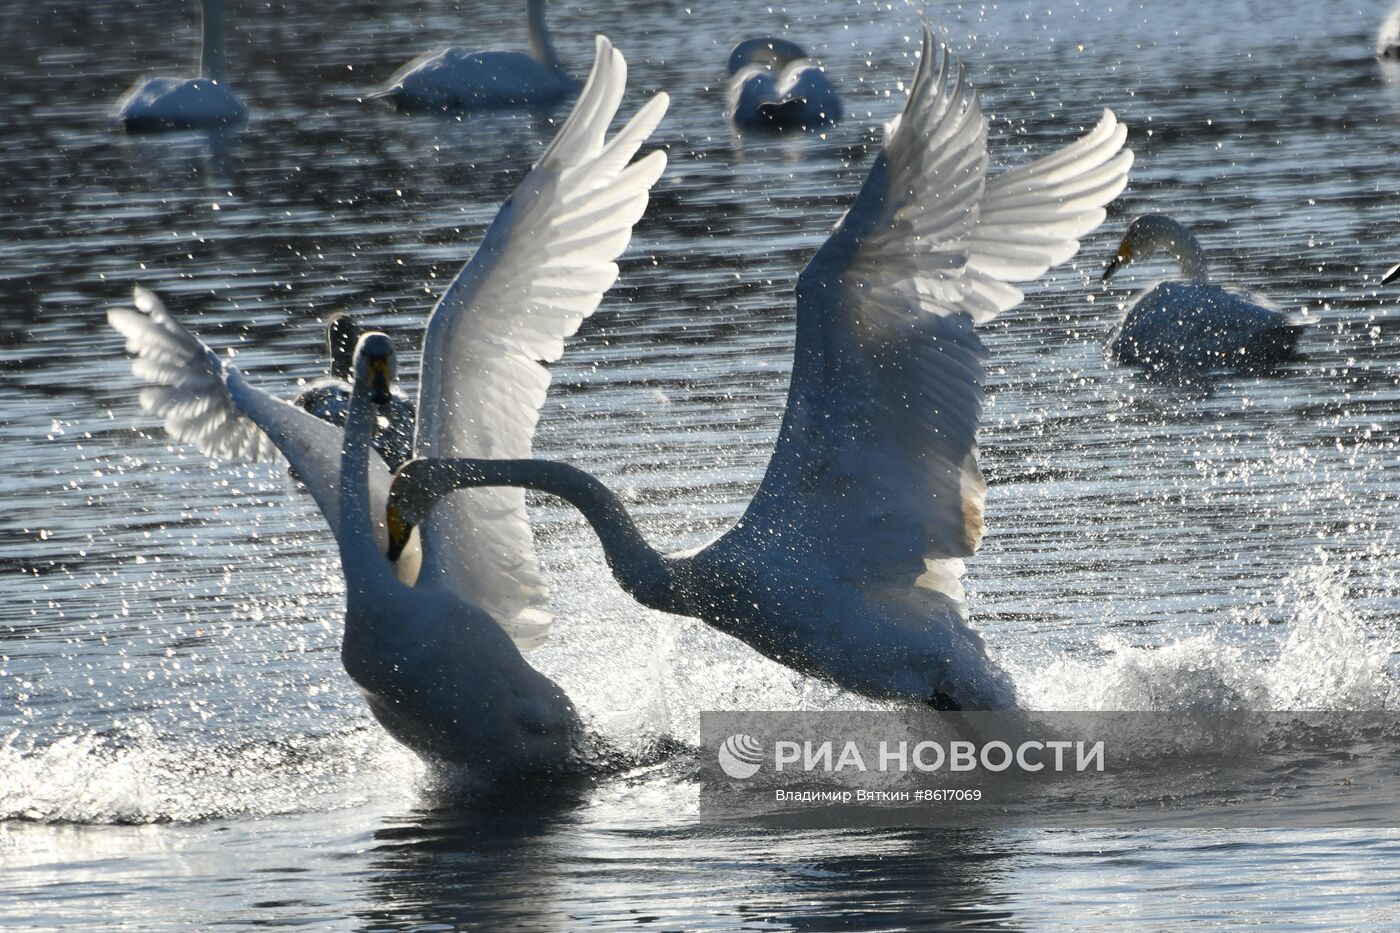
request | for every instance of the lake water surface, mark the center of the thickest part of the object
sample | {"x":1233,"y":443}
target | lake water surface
{"x":179,"y":747}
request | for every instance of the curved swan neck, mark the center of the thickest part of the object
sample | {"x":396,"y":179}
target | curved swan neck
{"x":212,"y":55}
{"x":359,"y":548}
{"x":1158,"y":233}
{"x":641,"y":570}
{"x":541,"y":49}
{"x":1190,"y":256}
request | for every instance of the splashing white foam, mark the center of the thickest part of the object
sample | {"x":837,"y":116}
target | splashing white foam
{"x":148,"y":779}
{"x":1331,"y":658}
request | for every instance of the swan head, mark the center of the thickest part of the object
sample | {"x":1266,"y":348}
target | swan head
{"x":375,"y":367}
{"x":767,"y":51}
{"x":1158,"y":235}
{"x":417,"y":485}
{"x":342,"y":337}
{"x":1392,"y":275}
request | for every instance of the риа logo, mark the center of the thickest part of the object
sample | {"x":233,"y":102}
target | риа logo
{"x":740,"y":755}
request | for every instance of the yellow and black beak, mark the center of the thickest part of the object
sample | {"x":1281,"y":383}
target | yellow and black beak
{"x":1124,"y":256}
{"x":381,"y":381}
{"x":1392,"y":275}
{"x":399,"y":532}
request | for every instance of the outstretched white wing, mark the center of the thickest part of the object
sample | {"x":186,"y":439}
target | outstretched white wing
{"x":875,"y":478}
{"x":543,"y":266}
{"x":206,"y":402}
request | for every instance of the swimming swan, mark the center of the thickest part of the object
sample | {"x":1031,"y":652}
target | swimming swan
{"x":165,"y":103}
{"x":435,"y":644}
{"x":455,"y":79}
{"x":328,"y":398}
{"x":1193,"y":325}
{"x":846,"y":564}
{"x":773,"y":85}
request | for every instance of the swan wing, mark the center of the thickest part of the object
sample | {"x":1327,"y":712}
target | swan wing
{"x":542,"y":267}
{"x":1032,"y":217}
{"x":205,"y":401}
{"x":875,"y":478}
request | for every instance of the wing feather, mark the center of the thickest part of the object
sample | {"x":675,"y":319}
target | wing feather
{"x":206,"y":402}
{"x":542,"y":267}
{"x":875,"y":477}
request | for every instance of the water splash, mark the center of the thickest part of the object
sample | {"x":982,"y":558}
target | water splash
{"x":1331,"y":658}
{"x":147,"y":778}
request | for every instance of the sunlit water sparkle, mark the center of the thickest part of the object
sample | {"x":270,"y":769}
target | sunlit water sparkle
{"x":178,"y":744}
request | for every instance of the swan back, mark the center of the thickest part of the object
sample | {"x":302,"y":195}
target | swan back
{"x":455,"y":79}
{"x":1196,"y":326}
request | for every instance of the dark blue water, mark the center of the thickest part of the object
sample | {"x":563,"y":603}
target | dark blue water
{"x":178,"y":743}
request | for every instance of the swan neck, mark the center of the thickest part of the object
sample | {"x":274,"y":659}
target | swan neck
{"x":541,"y":49}
{"x":212,"y":55}
{"x":359,"y":548}
{"x":1191,"y":258}
{"x":643,"y":572}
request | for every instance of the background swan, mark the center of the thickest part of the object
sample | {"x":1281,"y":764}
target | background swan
{"x":1388,"y":36}
{"x":455,"y":79}
{"x":846,"y":564}
{"x":328,"y":398}
{"x":166,"y":103}
{"x":436,"y":645}
{"x":773,"y":85}
{"x":1194,"y":324}
{"x":1392,"y":275}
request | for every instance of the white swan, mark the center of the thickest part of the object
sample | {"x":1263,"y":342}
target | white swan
{"x":1388,"y":36}
{"x":846,"y":564}
{"x":773,"y":85}
{"x":1193,"y":325}
{"x":166,"y":103}
{"x":328,"y":398}
{"x":439,"y":660}
{"x":455,"y":79}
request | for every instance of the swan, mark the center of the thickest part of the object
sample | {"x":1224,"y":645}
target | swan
{"x":773,"y":85}
{"x":167,"y":103}
{"x":846,"y":564}
{"x":1388,"y":36}
{"x":1193,"y":324}
{"x":1392,"y":275}
{"x":455,"y":79}
{"x":434,"y":640}
{"x":328,"y":398}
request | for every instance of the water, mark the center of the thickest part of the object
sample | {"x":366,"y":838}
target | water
{"x":178,"y":744}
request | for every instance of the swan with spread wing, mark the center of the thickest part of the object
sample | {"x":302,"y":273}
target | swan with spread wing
{"x":435,"y":644}
{"x":846,"y":564}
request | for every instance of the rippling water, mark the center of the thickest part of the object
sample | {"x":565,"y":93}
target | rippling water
{"x":178,"y":744}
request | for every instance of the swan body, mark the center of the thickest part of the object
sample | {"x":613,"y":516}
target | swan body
{"x":328,"y":398}
{"x":168,"y":103}
{"x":1193,"y":325}
{"x":434,"y":639}
{"x":846,"y":563}
{"x":457,"y":80}
{"x":1388,"y":36}
{"x":773,"y":85}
